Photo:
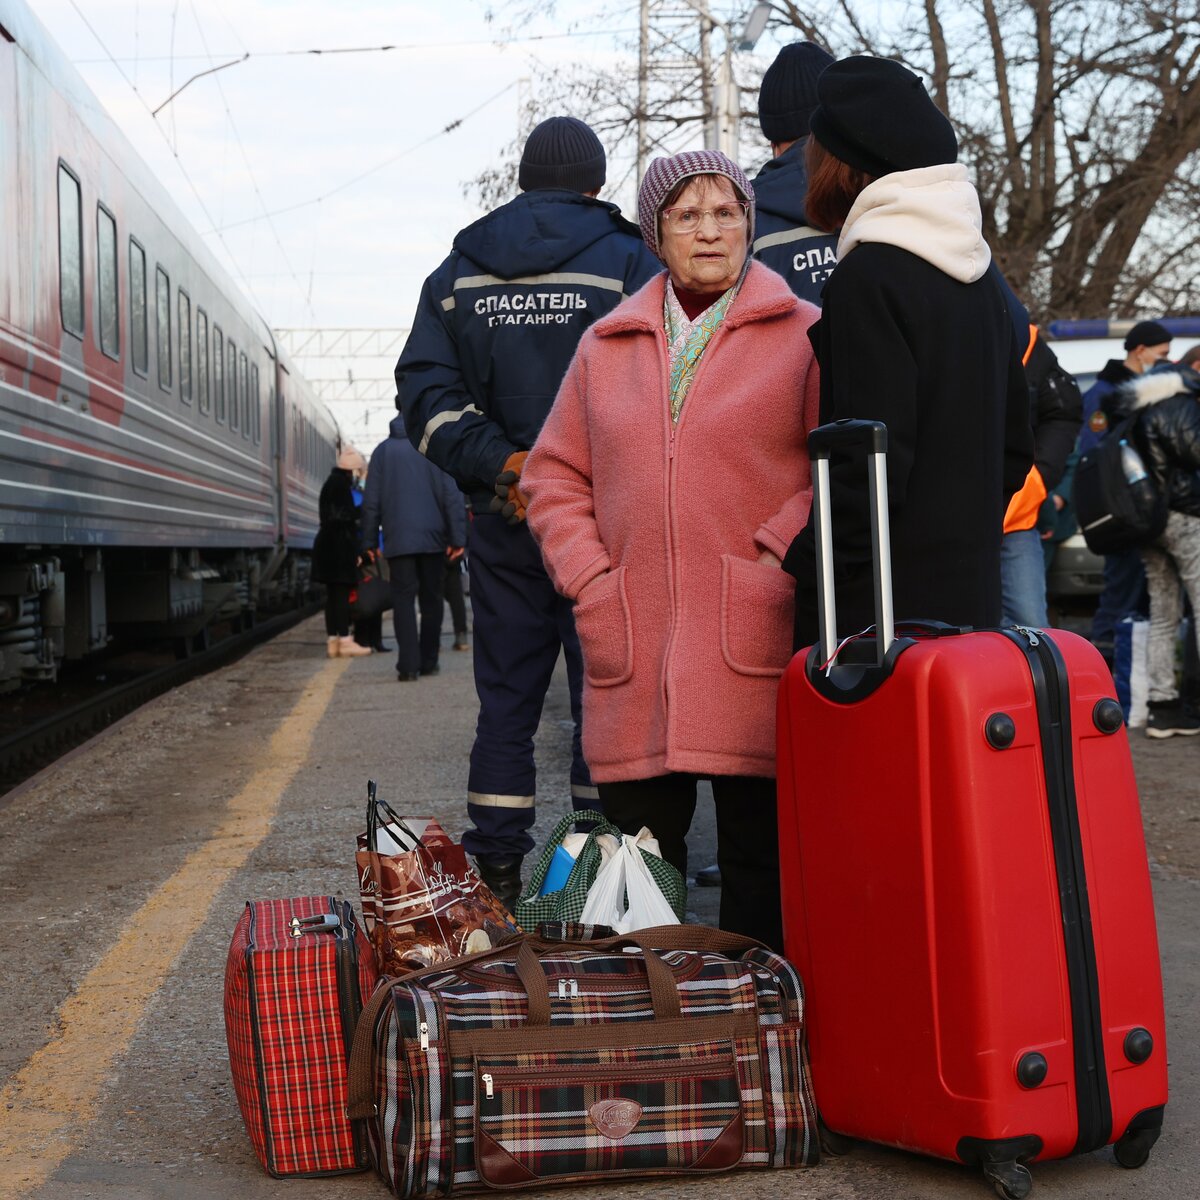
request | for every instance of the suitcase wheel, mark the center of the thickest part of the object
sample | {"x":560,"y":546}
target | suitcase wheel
{"x":1133,"y":1148}
{"x":1011,"y":1180}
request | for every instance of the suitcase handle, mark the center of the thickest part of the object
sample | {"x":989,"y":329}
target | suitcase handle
{"x":822,"y":441}
{"x":664,"y":992}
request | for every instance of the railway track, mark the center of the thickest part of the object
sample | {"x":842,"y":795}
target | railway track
{"x":36,"y":746}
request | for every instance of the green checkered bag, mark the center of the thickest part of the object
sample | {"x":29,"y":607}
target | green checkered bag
{"x":567,"y":904}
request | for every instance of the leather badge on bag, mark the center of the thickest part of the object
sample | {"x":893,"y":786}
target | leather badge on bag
{"x":615,"y":1119}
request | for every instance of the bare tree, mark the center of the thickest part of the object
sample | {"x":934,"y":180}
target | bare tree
{"x":1079,"y":119}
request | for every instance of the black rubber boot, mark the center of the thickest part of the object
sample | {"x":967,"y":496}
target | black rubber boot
{"x":503,"y":878}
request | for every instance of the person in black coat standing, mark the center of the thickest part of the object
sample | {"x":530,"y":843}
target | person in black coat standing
{"x":914,"y":332}
{"x":335,"y":554}
{"x":1166,"y":433}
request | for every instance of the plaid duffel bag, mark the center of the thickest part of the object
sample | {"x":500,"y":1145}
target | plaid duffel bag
{"x":675,"y":1050}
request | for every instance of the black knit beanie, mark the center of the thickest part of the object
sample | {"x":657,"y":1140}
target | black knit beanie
{"x":788,"y":93}
{"x":562,"y":152}
{"x":876,"y":116}
{"x":1147,"y":333}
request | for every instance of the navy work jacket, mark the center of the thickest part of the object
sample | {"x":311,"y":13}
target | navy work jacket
{"x":417,"y":506}
{"x":498,"y":322}
{"x":783,"y":238}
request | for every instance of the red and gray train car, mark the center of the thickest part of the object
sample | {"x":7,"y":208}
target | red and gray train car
{"x":160,"y":459}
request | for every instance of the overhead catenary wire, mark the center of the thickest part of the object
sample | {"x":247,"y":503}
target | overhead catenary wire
{"x":174,"y":154}
{"x":305,"y":296}
{"x":387,"y":162}
{"x":239,"y":56}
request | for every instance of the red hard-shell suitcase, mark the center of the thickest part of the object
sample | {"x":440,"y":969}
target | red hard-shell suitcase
{"x":295,"y":980}
{"x":965,"y":886}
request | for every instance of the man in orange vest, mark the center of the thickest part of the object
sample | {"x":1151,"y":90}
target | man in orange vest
{"x":1056,"y":413}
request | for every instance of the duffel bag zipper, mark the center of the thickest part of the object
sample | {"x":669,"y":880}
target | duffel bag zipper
{"x":610,"y":1073}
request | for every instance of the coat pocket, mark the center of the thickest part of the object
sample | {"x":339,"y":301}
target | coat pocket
{"x":605,"y":630}
{"x":757,"y":606}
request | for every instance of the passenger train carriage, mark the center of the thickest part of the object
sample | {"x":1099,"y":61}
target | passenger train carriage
{"x":160,"y":459}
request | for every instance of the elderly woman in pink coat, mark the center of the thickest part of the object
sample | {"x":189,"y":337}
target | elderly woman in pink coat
{"x":666,"y":485}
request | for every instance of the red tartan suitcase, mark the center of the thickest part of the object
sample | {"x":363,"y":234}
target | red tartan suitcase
{"x":295,"y":980}
{"x":965,"y":888}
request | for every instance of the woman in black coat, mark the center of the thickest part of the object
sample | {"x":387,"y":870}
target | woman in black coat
{"x":914,"y":332}
{"x":336,"y":553}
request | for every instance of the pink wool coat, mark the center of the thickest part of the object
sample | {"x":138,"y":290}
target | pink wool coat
{"x":655,"y":530}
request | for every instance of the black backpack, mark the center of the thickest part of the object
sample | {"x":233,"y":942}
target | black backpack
{"x":1117,"y":503}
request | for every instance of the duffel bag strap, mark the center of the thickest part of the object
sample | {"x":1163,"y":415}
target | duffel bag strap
{"x":664,"y":992}
{"x":699,"y":938}
{"x":360,"y":1099}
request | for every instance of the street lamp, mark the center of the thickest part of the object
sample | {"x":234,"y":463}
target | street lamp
{"x":728,"y":101}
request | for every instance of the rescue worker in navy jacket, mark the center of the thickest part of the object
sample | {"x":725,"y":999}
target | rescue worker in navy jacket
{"x":496,"y":327}
{"x":783,"y":238}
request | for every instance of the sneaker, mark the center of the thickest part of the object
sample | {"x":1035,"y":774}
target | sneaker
{"x":348,"y":648}
{"x":1168,"y":718}
{"x":503,"y":878}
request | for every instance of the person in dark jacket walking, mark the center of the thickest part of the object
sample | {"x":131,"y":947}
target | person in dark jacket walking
{"x":912,"y":333}
{"x":335,"y":554}
{"x":1167,"y":435}
{"x":1147,"y":344}
{"x":1056,"y":413}
{"x":783,"y":237}
{"x":496,"y":326}
{"x":420,"y":510}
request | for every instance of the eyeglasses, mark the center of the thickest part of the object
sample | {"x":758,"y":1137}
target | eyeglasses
{"x":688,"y":220}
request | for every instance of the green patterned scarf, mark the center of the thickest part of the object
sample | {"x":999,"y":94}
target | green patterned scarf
{"x":687,"y":339}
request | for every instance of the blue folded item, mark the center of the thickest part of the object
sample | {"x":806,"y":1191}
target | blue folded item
{"x":560,"y":870}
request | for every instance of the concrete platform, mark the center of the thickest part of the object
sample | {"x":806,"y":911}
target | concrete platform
{"x":124,"y":869}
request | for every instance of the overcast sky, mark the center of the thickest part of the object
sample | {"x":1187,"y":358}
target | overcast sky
{"x":280,"y":129}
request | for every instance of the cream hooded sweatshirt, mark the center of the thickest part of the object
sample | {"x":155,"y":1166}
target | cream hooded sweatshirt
{"x":932,"y":212}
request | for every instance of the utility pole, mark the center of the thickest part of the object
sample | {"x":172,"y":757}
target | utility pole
{"x":643,"y":148}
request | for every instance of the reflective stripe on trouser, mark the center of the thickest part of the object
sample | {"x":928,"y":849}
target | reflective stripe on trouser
{"x":520,"y":623}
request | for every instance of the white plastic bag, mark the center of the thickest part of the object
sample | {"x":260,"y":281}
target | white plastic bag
{"x":624,"y":895}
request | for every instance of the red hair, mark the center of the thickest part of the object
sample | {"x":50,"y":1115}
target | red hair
{"x":833,"y":186}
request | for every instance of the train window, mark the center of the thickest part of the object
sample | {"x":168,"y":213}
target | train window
{"x":185,"y":347}
{"x":106,"y":262}
{"x":163,"y":285}
{"x":255,"y":405}
{"x":203,"y":397}
{"x":137,"y":307}
{"x":219,"y":373}
{"x":231,"y":376}
{"x":70,"y":252}
{"x":244,"y":392}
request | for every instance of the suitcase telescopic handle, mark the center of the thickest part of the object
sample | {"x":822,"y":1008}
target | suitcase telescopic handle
{"x":846,"y":435}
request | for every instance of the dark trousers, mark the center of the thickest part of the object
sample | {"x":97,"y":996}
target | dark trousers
{"x":1124,"y":595}
{"x":416,"y":577}
{"x":455,"y":598}
{"x":747,"y":840}
{"x":520,"y":623}
{"x":337,"y":609}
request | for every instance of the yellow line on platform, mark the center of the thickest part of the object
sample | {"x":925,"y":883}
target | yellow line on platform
{"x":48,"y":1103}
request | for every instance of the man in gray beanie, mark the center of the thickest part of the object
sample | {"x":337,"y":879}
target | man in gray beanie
{"x":495,"y":329}
{"x":784,"y":240}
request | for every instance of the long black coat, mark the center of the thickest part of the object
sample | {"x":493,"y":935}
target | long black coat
{"x":936,"y":360}
{"x":335,"y":550}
